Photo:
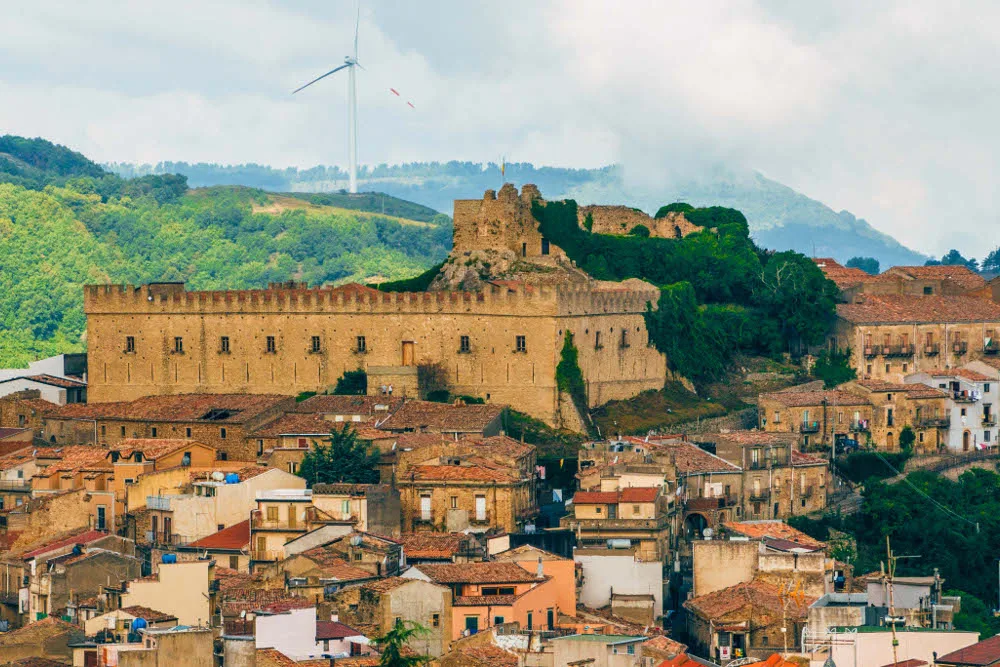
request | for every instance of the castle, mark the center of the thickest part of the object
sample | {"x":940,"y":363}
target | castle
{"x":501,"y":341}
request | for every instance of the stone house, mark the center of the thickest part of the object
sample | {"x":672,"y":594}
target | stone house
{"x":48,"y":639}
{"x":369,"y":507}
{"x":632,"y":517}
{"x":972,"y":403}
{"x":819,"y":419}
{"x":894,"y":406}
{"x":283,"y":443}
{"x":745,"y":620}
{"x":280,"y":516}
{"x":377,"y":604}
{"x":319,"y":573}
{"x":221,"y":421}
{"x":485,"y":595}
{"x":891,"y":336}
{"x":25,"y":409}
{"x":441,"y":548}
{"x":82,"y":573}
{"x":941,"y":280}
{"x":379,"y":555}
{"x":598,"y":650}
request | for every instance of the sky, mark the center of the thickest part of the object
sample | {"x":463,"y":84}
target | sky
{"x":884,"y":109}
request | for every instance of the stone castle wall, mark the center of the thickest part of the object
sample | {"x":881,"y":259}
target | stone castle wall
{"x":501,"y":221}
{"x":620,"y":220}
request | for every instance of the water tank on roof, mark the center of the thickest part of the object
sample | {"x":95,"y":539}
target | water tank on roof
{"x":620,"y":544}
{"x":169,"y":559}
{"x":138,"y":624}
{"x":232,"y":478}
{"x":218,"y":476}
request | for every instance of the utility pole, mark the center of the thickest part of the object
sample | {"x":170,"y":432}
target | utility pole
{"x":891,"y":559}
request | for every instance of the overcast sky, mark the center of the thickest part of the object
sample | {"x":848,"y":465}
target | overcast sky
{"x":886,"y":109}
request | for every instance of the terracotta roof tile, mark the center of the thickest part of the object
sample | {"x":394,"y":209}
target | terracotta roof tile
{"x":228,"y":408}
{"x":803,"y":459}
{"x":692,"y":460}
{"x":906,"y":309}
{"x":82,"y":538}
{"x":433,"y":545}
{"x":775,"y":529}
{"x":235,"y":537}
{"x":333,"y":565}
{"x":476,"y":573}
{"x":36,"y":633}
{"x":959,"y":275}
{"x":426,"y":415}
{"x":797,"y":399}
{"x":985,"y":652}
{"x":365,"y":406}
{"x":484,"y":600}
{"x":150,"y":615}
{"x":912,"y":390}
{"x":297,"y":423}
{"x":966,"y":373}
{"x":486,"y":655}
{"x":334,"y":630}
{"x":630,"y":495}
{"x":387,"y":584}
{"x":664,"y":644}
{"x":460,"y":473}
{"x":843,"y":277}
{"x":153,"y":448}
{"x":340,"y":489}
{"x":912,"y":662}
{"x":758,"y":598}
{"x":35,"y":661}
{"x":55,"y":381}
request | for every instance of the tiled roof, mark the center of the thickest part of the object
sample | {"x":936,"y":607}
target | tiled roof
{"x":500,"y":445}
{"x":10,"y":432}
{"x":906,"y":309}
{"x":484,"y":600}
{"x":432,"y":545}
{"x":286,"y":604}
{"x":966,"y":373}
{"x":912,"y":390}
{"x":55,"y":381}
{"x":985,"y":652}
{"x":340,"y":489}
{"x":476,"y":573}
{"x":803,"y":459}
{"x":387,"y":584}
{"x":73,"y":458}
{"x":83,"y":538}
{"x":334,"y":630}
{"x":153,"y":448}
{"x":349,"y":405}
{"x":235,"y":537}
{"x":692,"y":460}
{"x":424,"y":415}
{"x":486,"y":655}
{"x":333,"y":565}
{"x":150,"y":615}
{"x":525,"y":552}
{"x":664,"y":644}
{"x":804,"y":399}
{"x":763,"y":599}
{"x":772,"y":528}
{"x":272,"y":657}
{"x":237,"y":600}
{"x":842,"y":276}
{"x":634,"y":494}
{"x":37,"y":632}
{"x":459,"y":473}
{"x":297,"y":423}
{"x":178,"y":408}
{"x":35,"y":661}
{"x":960,"y":275}
{"x":40,"y":405}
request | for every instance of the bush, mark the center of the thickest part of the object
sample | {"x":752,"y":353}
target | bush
{"x":860,"y":467}
{"x":677,"y":207}
{"x":833,"y":368}
{"x":352,"y":383}
{"x":641,"y":231}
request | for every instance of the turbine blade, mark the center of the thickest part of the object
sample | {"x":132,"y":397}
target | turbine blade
{"x":357,"y":22}
{"x":335,"y":69}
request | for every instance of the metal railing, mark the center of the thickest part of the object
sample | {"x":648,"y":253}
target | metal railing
{"x":989,"y":420}
{"x":934,"y":422}
{"x":859,"y":427}
{"x":962,"y":397}
{"x":932,"y":349}
{"x":809,"y":427}
{"x":266,"y":555}
{"x":15,"y":485}
{"x":960,"y":348}
{"x":260,"y":523}
{"x":898,"y":351}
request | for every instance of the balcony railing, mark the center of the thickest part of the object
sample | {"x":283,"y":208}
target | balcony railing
{"x":898,"y":351}
{"x":934,"y":422}
{"x":266,"y":555}
{"x":859,"y":427}
{"x":962,"y":397}
{"x":960,"y":348}
{"x":989,"y":420}
{"x":260,"y":523}
{"x":809,"y":427}
{"x":872,"y":351}
{"x":806,"y":492}
{"x":992,"y":347}
{"x":758,"y":496}
{"x":932,"y":349}
{"x":15,"y":485}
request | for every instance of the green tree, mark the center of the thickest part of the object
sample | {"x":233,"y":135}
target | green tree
{"x":641,"y":231}
{"x":906,"y":438}
{"x":794,"y":290}
{"x":392,"y":645}
{"x":954,"y":258}
{"x":867,"y":264}
{"x":991,"y":262}
{"x":343,"y":459}
{"x":352,"y":383}
{"x":833,"y":368}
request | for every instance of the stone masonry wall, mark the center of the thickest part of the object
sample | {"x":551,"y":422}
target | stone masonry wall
{"x":620,"y":220}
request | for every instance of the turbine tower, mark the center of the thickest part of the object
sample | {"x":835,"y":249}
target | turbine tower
{"x":350,"y":64}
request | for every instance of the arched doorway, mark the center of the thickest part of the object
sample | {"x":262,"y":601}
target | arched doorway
{"x":889,"y":440}
{"x":695,"y":524}
{"x":965,"y":441}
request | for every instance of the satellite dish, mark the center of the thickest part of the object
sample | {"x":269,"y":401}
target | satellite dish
{"x":707,"y":533}
{"x":218,"y":476}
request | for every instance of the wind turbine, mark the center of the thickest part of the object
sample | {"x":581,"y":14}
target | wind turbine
{"x":350,"y":63}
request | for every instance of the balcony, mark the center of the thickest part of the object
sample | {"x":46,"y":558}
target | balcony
{"x":991,"y":347}
{"x":932,"y":349}
{"x":160,"y":503}
{"x":806,"y":492}
{"x":260,"y":523}
{"x":759,"y":496}
{"x":266,"y":555}
{"x":962,"y":397}
{"x":239,"y":628}
{"x":960,"y":348}
{"x":15,"y":485}
{"x":872,"y":351}
{"x":934,"y":422}
{"x":989,"y":421}
{"x":898,"y":351}
{"x":704,"y":504}
{"x":859,"y":427}
{"x":809,"y":427}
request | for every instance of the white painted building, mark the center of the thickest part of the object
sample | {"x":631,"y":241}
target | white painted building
{"x":971,"y":407}
{"x":297,"y":634}
{"x":50,"y":377}
{"x":618,"y":571}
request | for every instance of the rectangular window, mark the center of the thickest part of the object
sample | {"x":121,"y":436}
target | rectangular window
{"x":187,"y":432}
{"x":635,"y":509}
{"x":435,"y":620}
{"x":178,"y":345}
{"x":271,"y":345}
{"x":153,"y":431}
{"x":986,"y":388}
{"x":315,"y":344}
{"x":521,"y":344}
{"x":123,"y":431}
{"x":293,"y":467}
{"x":303,"y":443}
{"x":480,"y":508}
{"x":597,"y":340}
{"x":345,"y":508}
{"x":129,"y":344}
{"x":103,"y":430}
{"x":234,"y":562}
{"x":260,"y":447}
{"x":454,"y":502}
{"x":630,"y":649}
{"x":986,"y":436}
{"x":222,"y":433}
{"x":463,"y":344}
{"x":272,"y":512}
{"x":362,"y":344}
{"x":224,"y":344}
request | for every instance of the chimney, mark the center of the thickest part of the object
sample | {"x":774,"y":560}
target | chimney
{"x":539,"y":571}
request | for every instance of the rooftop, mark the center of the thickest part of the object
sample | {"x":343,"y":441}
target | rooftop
{"x":211,"y":408}
{"x":756,"y":597}
{"x":982,"y":653}
{"x":235,"y":537}
{"x":460,"y":473}
{"x":960,"y":275}
{"x":805,"y":399}
{"x":150,"y":615}
{"x":905,"y":309}
{"x":334,"y":630}
{"x":693,"y":460}
{"x":633,"y":494}
{"x":433,"y":545}
{"x":298,"y":423}
{"x":82,"y":538}
{"x":349,"y":405}
{"x":153,"y":448}
{"x":476,"y":573}
{"x":966,"y":373}
{"x":912,"y":390}
{"x":773,"y":529}
{"x":426,"y":415}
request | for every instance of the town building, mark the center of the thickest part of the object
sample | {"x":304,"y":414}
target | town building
{"x":598,"y":650}
{"x":895,"y":406}
{"x":25,"y":409}
{"x":441,"y":548}
{"x":606,"y":572}
{"x":281,"y":515}
{"x":973,"y":400}
{"x":60,"y":379}
{"x":371,"y":508}
{"x":180,"y":589}
{"x":452,"y":420}
{"x":819,"y":419}
{"x":633,"y":517}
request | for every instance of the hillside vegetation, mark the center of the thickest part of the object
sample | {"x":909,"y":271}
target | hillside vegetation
{"x":65,"y":222}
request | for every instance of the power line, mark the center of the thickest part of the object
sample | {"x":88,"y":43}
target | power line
{"x":941,"y":507}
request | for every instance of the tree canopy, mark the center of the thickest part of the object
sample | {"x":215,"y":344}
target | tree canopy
{"x":954,"y":258}
{"x":867,"y":264}
{"x":342,"y":459}
{"x":393,"y":645}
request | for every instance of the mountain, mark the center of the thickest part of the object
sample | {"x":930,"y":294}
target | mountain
{"x":65,"y":222}
{"x":780,"y":218}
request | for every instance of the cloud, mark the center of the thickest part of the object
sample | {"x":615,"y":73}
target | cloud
{"x":886,"y":110}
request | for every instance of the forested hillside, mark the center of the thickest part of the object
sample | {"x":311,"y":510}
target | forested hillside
{"x":779,"y":217}
{"x":65,"y":222}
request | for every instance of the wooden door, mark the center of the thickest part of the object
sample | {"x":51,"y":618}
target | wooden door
{"x":408,"y":353}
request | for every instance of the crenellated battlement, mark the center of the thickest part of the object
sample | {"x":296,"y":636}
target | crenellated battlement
{"x":517,"y":298}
